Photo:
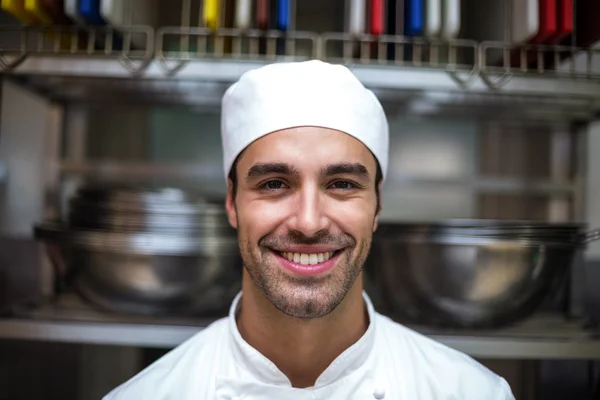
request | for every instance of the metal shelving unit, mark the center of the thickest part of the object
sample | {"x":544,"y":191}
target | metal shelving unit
{"x":544,"y":336}
{"x":198,"y":78}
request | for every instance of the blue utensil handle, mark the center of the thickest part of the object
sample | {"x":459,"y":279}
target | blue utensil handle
{"x":414,"y":12}
{"x":283,"y":14}
{"x":90,"y":10}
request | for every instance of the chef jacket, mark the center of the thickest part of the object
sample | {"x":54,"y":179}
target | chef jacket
{"x":388,"y":362}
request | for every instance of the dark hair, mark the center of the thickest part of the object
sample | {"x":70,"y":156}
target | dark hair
{"x":378,"y":178}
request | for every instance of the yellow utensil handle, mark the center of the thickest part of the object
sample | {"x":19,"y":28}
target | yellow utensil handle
{"x":211,"y":13}
{"x":36,"y":8}
{"x":17,"y":9}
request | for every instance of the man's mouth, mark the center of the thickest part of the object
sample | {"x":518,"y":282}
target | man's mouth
{"x":308,"y":258}
{"x":300,"y":263}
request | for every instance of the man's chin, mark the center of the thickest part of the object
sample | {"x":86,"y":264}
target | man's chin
{"x":304,"y":304}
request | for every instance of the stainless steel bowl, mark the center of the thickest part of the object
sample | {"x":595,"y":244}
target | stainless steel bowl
{"x":206,"y":225}
{"x":465,"y":281}
{"x":144,"y":273}
{"x":157,"y":285}
{"x":511,"y":230}
{"x":164,"y":200}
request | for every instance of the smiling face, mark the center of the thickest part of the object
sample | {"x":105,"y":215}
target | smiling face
{"x":305,"y":208}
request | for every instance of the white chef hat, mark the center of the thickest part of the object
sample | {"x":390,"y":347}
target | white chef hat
{"x":310,"y":93}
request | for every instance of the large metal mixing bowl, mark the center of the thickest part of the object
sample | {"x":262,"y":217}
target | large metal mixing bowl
{"x":469,"y":282}
{"x":166,"y":200}
{"x":144,"y":273}
{"x":156,"y":284}
{"x":206,"y":225}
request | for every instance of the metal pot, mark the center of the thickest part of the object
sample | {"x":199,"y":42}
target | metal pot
{"x":434,"y":277}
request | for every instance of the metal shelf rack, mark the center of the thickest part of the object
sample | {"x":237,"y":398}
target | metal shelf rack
{"x":193,"y":67}
{"x":544,"y":336}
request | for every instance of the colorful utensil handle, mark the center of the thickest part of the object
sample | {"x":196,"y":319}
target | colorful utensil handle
{"x":211,"y":13}
{"x":283,"y":14}
{"x":377,"y":24}
{"x":243,"y":14}
{"x":262,"y":13}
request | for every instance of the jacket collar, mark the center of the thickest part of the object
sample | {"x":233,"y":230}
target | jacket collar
{"x":263,"y":370}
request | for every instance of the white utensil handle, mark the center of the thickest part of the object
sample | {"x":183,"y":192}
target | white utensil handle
{"x":433,"y":17}
{"x":452,"y":20}
{"x":357,"y":17}
{"x":243,"y":14}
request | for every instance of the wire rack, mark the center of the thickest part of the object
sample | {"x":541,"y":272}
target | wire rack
{"x":174,"y":46}
{"x":183,"y":35}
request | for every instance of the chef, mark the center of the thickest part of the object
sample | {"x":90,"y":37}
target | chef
{"x":305,"y":156}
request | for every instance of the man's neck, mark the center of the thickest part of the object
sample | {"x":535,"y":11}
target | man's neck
{"x":301,"y":349}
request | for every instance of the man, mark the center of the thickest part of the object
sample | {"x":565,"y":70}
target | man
{"x":305,"y":149}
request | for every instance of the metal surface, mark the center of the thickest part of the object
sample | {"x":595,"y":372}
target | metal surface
{"x":97,"y":333}
{"x":448,"y":55}
{"x":509,"y":59}
{"x":544,"y":336}
{"x":463,"y":281}
{"x":155,"y":285}
{"x":148,"y":279}
{"x":147,"y":209}
{"x":160,"y":201}
{"x":488,"y":231}
{"x":202,"y":82}
{"x":148,"y":251}
{"x":133,"y":221}
{"x":138,"y":242}
{"x":211,"y":44}
{"x":91,"y":41}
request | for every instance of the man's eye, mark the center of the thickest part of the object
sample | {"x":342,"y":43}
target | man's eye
{"x":273,"y":185}
{"x":343,"y":185}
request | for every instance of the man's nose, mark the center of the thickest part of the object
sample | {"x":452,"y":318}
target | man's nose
{"x":310,"y":216}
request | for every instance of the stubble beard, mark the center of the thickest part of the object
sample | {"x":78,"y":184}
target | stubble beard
{"x":303,"y":296}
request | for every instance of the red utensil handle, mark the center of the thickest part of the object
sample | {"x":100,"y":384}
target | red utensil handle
{"x":377,"y":17}
{"x":263,"y":14}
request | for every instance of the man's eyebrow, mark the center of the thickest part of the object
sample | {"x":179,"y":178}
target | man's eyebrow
{"x":262,"y":169}
{"x":346,"y":169}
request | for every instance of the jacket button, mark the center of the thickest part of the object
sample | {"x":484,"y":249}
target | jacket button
{"x":379,"y":393}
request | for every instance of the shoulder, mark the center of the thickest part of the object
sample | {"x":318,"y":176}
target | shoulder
{"x":440,"y":369}
{"x":173,"y":372}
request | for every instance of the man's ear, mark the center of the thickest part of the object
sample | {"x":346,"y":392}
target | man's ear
{"x":230,"y":205}
{"x":379,"y":206}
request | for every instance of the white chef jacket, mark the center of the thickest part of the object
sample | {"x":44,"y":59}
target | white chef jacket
{"x":388,"y":362}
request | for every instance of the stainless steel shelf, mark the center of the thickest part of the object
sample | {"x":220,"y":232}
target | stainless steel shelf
{"x":103,"y":67}
{"x":203,"y":81}
{"x":543,"y":336}
{"x":136,"y":335}
{"x":565,"y":341}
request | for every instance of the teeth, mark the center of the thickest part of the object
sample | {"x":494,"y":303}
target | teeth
{"x":304,"y":258}
{"x":308,"y":259}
